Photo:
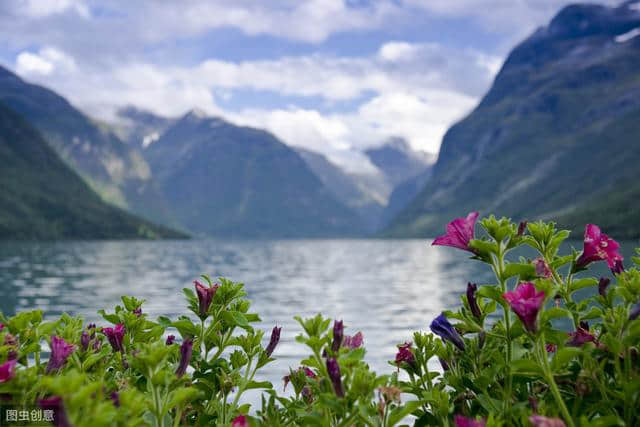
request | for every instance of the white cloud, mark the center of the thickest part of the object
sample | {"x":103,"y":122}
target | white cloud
{"x":43,"y":8}
{"x":46,"y":61}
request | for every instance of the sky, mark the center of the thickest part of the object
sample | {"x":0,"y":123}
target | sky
{"x":335,"y":76}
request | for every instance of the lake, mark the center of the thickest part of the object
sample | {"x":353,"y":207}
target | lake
{"x":385,"y":288}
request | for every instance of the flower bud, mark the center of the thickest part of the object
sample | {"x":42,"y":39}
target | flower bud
{"x":273,"y":341}
{"x":334,"y":374}
{"x":185,"y":356}
{"x":602,"y":285}
{"x":471,"y":299}
{"x":338,"y":334}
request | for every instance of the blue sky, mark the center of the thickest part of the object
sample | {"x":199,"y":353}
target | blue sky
{"x":335,"y":76}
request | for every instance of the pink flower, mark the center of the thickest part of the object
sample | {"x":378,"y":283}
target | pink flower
{"x":597,"y":247}
{"x":459,"y":233}
{"x":580,"y":337}
{"x":240,"y":421}
{"x":461,"y":421}
{"x":526,"y":302}
{"x":353,"y":342}
{"x":542,"y":268}
{"x":540,"y":421}
{"x":115,"y":337}
{"x":60,"y":351}
{"x":405,"y":354}
{"x":7,"y":370}
{"x":205,"y":297}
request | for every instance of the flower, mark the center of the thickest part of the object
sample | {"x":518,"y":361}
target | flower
{"x":598,"y":246}
{"x":441,"y":326}
{"x":635,"y":311}
{"x":405,"y":354}
{"x":115,"y":398}
{"x":579,"y":337}
{"x":334,"y":374}
{"x":471,"y":299}
{"x":459,"y":233}
{"x":170,"y":339}
{"x":308,"y":372}
{"x":526,"y":303}
{"x":115,"y":336}
{"x":390,"y":394}
{"x":84,"y":340}
{"x":542,"y":268}
{"x":205,"y":296}
{"x":551,"y":348}
{"x":338,"y":334}
{"x":60,"y":351}
{"x":185,"y":356}
{"x":59,"y":414}
{"x":8,"y":370}
{"x":1,"y":326}
{"x":138,"y":311}
{"x":444,"y":364}
{"x":273,"y":341}
{"x":540,"y":421}
{"x":522,"y":227}
{"x":602,"y":285}
{"x":240,"y":421}
{"x":353,"y":342}
{"x":461,"y":421}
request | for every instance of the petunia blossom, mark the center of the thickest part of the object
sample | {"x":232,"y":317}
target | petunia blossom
{"x":541,"y":421}
{"x":471,"y":299}
{"x":240,"y":421}
{"x":459,"y":233}
{"x":542,"y":268}
{"x":334,"y":374}
{"x":353,"y":342}
{"x":8,"y":370}
{"x":461,"y":421}
{"x":338,"y":335}
{"x":526,"y":302}
{"x":599,"y":247}
{"x":405,"y":355}
{"x":602,"y":286}
{"x":273,"y":341}
{"x":205,"y":297}
{"x":115,"y":337}
{"x":60,"y":351}
{"x":441,"y":326}
{"x":580,"y":337}
{"x":186,"y":349}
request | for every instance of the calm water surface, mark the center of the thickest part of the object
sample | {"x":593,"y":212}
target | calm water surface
{"x":384,"y":288}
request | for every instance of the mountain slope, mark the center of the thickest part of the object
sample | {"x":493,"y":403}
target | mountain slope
{"x":555,"y":137}
{"x":41,"y":198}
{"x":226,"y":180}
{"x":115,"y":170}
{"x":398,"y":161}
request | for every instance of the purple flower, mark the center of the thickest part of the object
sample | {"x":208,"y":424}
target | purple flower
{"x":635,"y":311}
{"x":334,"y":374}
{"x":59,"y":415}
{"x":240,"y":421}
{"x":115,"y":398}
{"x":542,"y":268}
{"x":598,"y":246}
{"x":10,"y":340}
{"x":471,"y":299}
{"x":353,"y":342}
{"x":405,"y":355}
{"x":444,"y":364}
{"x":115,"y":337}
{"x":602,"y":285}
{"x":84,"y":340}
{"x":60,"y":351}
{"x":551,"y":348}
{"x":138,"y":311}
{"x":205,"y":296}
{"x":580,"y":337}
{"x":308,"y":372}
{"x":522,"y":227}
{"x":338,"y":335}
{"x":1,"y":326}
{"x":8,"y":370}
{"x":186,"y":349}
{"x":170,"y":339}
{"x":441,"y":326}
{"x":459,"y":233}
{"x":461,"y":421}
{"x":273,"y":341}
{"x":540,"y":421}
{"x":526,"y":302}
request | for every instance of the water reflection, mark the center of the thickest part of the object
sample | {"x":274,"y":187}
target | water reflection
{"x":384,"y":288}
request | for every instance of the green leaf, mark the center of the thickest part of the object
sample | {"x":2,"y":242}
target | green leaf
{"x":525,"y":271}
{"x":258,"y":385}
{"x":397,"y":414}
{"x":492,"y":292}
{"x":235,"y":318}
{"x":527,"y":367}
{"x":555,"y":313}
{"x":564,"y":356}
{"x":582,"y":283}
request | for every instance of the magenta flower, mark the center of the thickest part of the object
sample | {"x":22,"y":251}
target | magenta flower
{"x":522,"y":227}
{"x":186,"y":349}
{"x":551,"y":348}
{"x":1,"y":326}
{"x":115,"y":337}
{"x":60,"y":351}
{"x":59,"y":414}
{"x":580,"y":337}
{"x":353,"y":342}
{"x":459,"y":233}
{"x":598,"y":247}
{"x":471,"y":299}
{"x":461,"y":421}
{"x":441,"y":327}
{"x":273,"y":341}
{"x":338,"y":335}
{"x":334,"y":374}
{"x":542,"y":268}
{"x":240,"y":421}
{"x":540,"y":421}
{"x":602,"y":286}
{"x":8,"y":370}
{"x":205,"y":296}
{"x":170,"y":339}
{"x":526,"y":302}
{"x":84,"y":340}
{"x":308,"y":373}
{"x":405,"y":355}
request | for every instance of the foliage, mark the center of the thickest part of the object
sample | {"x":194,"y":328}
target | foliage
{"x":506,"y":357}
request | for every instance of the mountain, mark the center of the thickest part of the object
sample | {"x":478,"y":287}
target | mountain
{"x":346,"y":188}
{"x":227,"y":180}
{"x":139,"y":128}
{"x":116,"y":171}
{"x":42,"y":198}
{"x":398,"y":161}
{"x":556,"y":136}
{"x":403,"y":194}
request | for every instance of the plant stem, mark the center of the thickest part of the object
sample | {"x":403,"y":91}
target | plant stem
{"x":542,"y":354}
{"x":499,"y":269}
